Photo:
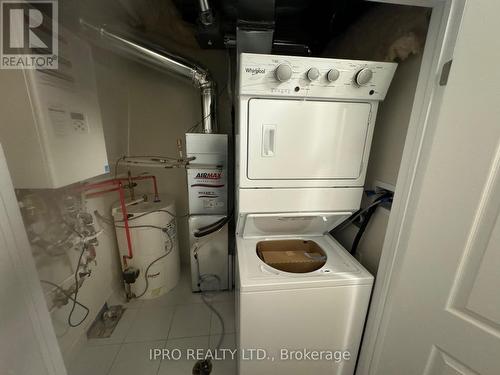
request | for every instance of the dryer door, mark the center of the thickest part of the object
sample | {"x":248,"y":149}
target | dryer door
{"x":300,"y":139}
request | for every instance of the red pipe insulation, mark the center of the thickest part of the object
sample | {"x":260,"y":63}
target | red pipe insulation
{"x":123,"y":205}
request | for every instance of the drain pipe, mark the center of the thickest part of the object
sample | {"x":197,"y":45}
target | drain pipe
{"x":154,"y":55}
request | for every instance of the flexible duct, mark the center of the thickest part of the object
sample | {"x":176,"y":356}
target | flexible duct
{"x":154,"y":55}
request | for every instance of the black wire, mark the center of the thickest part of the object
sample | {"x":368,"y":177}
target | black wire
{"x":77,"y":288}
{"x":63,"y":291}
{"x":117,"y":165}
{"x":171,"y":245}
{"x":210,"y":114}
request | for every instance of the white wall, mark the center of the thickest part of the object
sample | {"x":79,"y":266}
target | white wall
{"x":385,"y":156}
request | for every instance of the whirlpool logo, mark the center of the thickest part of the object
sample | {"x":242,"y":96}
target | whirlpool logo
{"x":255,"y":71}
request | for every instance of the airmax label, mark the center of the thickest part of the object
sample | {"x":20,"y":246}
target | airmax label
{"x":255,"y":71}
{"x":209,"y":175}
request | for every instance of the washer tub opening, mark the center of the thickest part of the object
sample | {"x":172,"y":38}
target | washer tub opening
{"x":295,"y":256}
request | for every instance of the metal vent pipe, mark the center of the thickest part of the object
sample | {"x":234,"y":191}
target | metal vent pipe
{"x":155,"y":56}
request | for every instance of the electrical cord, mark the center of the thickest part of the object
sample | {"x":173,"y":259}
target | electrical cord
{"x":63,"y":291}
{"x":171,"y":246}
{"x":111,"y":223}
{"x":205,"y":366}
{"x":205,"y":294}
{"x":77,"y":289}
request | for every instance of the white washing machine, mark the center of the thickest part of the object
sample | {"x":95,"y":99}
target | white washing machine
{"x":281,"y":312}
{"x":303,"y":140}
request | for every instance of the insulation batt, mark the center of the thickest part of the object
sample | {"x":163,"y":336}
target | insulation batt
{"x":384,"y":33}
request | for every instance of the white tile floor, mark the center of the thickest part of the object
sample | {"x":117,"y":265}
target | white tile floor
{"x":177,"y":320}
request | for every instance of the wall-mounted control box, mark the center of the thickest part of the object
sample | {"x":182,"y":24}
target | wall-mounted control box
{"x":51,"y":128}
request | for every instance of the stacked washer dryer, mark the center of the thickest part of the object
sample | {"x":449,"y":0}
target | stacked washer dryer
{"x":302,"y":147}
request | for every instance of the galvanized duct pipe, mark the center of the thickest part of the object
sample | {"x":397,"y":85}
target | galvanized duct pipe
{"x":154,"y":55}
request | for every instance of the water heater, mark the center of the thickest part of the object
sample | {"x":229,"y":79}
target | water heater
{"x":51,"y":128}
{"x":155,"y":246}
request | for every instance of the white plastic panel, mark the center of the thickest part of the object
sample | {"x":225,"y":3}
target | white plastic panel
{"x":286,"y":224}
{"x":294,"y":139}
{"x":256,"y":76}
{"x":299,"y":200}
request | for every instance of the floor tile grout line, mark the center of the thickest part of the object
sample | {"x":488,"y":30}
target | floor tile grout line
{"x":114,"y":359}
{"x":136,"y":315}
{"x":161,"y":360}
{"x":122,"y":342}
{"x":170,"y":325}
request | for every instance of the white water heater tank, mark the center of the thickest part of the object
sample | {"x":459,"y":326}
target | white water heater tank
{"x":150,"y":243}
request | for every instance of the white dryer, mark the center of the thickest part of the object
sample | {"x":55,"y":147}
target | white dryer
{"x":302,"y":145}
{"x":320,"y":312}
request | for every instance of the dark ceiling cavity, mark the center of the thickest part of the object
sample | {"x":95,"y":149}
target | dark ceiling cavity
{"x":297,"y":26}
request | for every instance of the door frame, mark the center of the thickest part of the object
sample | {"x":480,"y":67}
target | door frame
{"x":16,"y":245}
{"x":440,"y":42}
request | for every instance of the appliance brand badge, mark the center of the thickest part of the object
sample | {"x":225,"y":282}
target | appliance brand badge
{"x":255,"y":71}
{"x":209,"y":175}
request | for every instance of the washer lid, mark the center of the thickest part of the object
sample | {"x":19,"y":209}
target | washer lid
{"x":286,"y":224}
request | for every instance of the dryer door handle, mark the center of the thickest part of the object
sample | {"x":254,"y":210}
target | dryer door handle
{"x":268,"y":140}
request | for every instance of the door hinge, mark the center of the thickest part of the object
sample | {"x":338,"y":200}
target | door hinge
{"x":445,"y":73}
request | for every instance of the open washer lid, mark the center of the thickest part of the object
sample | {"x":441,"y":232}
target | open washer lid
{"x":286,"y":224}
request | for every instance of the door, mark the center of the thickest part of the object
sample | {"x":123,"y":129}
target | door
{"x":28,"y":344}
{"x":442,"y":312}
{"x":299,"y":139}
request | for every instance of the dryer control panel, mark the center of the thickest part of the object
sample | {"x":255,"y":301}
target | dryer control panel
{"x":293,"y":76}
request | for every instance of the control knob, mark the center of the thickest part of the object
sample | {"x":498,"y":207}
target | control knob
{"x":313,"y":74}
{"x":283,"y":72}
{"x":363,"y":76}
{"x":332,"y":75}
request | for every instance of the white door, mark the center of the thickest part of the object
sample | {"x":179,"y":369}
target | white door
{"x":299,"y":139}
{"x":442,"y":314}
{"x":28,"y":344}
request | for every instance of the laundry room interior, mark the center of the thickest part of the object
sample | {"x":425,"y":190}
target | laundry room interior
{"x":158,"y":218}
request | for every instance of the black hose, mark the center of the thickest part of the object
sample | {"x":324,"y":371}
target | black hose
{"x":211,"y":228}
{"x":386,"y":197}
{"x":362,"y":229}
